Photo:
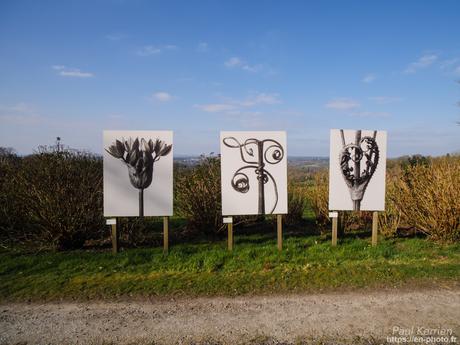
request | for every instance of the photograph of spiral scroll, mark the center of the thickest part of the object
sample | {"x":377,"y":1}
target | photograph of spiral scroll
{"x":353,"y":153}
{"x":240,"y":180}
{"x":240,"y":183}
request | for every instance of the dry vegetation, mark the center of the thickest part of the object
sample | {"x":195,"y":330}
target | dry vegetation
{"x":54,"y":200}
{"x":421,"y":194}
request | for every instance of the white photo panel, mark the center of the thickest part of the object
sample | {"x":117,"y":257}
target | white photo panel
{"x":253,"y":173}
{"x":138,"y":173}
{"x":357,"y":165}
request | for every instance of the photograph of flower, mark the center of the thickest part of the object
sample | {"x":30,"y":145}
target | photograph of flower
{"x":138,"y":161}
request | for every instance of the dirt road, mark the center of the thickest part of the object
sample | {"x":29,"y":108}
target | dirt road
{"x":232,"y":320}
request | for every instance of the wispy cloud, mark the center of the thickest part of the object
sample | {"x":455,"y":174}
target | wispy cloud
{"x":149,"y":50}
{"x":116,"y":36}
{"x":369,"y":78}
{"x":342,"y":104}
{"x":370,"y":114}
{"x":19,"y":114}
{"x":451,"y":66}
{"x":202,"y":47}
{"x":352,"y":107}
{"x":162,"y":96}
{"x":64,"y":71}
{"x":236,"y":62}
{"x":234,"y":106}
{"x":260,"y":98}
{"x":448,"y":63}
{"x":385,"y":99}
{"x":215,"y":107}
{"x":423,"y":62}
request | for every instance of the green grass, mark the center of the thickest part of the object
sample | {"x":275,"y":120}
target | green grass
{"x":255,"y":266}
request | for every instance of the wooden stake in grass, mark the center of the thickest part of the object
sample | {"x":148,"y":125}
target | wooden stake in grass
{"x":335,"y":217}
{"x":375,"y":223}
{"x":279,"y":227}
{"x":230,"y":236}
{"x":114,"y":234}
{"x":229,"y":222}
{"x":166,"y":235}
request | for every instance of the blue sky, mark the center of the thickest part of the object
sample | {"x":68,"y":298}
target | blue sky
{"x":74,"y":68}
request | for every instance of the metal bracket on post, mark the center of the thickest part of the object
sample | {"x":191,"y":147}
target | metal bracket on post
{"x":229,"y":222}
{"x":334,"y":216}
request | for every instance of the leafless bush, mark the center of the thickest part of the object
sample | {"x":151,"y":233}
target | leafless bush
{"x":427,"y":196}
{"x":318,"y":197}
{"x":296,"y":204}
{"x":198,"y":196}
{"x":422,"y":194}
{"x":57,"y":197}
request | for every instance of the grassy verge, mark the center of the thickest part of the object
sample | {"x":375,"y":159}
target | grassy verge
{"x":255,"y":266}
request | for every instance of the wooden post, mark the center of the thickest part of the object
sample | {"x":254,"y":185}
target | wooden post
{"x":279,"y":227}
{"x":375,"y":224}
{"x":334,"y":231}
{"x":166,"y":234}
{"x":230,"y":236}
{"x":115,"y":236}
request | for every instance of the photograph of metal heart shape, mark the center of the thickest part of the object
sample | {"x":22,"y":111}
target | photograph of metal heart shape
{"x":357,"y":163}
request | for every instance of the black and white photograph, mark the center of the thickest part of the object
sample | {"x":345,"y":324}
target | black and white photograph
{"x":138,"y":173}
{"x":357,"y":164}
{"x":253,"y":173}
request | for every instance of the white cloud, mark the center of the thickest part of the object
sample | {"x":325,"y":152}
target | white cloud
{"x":162,"y":96}
{"x":451,"y":66}
{"x":233,"y":62}
{"x":234,"y":106}
{"x":342,"y":104}
{"x":260,"y":98}
{"x":215,"y":107}
{"x":149,"y":50}
{"x":19,"y":114}
{"x":369,"y":78}
{"x":64,"y":71}
{"x":115,"y":36}
{"x":448,"y":63}
{"x":424,"y":62}
{"x":385,"y":99}
{"x":236,"y":62}
{"x":202,"y":47}
{"x":370,"y":114}
{"x":76,"y":73}
{"x":352,"y":107}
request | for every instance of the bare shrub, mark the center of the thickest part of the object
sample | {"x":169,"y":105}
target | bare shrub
{"x":390,"y":220}
{"x":11,"y":209}
{"x":421,"y":194}
{"x":61,"y":194}
{"x":318,"y":197}
{"x":198,"y":195}
{"x":428,"y":198}
{"x":296,"y":204}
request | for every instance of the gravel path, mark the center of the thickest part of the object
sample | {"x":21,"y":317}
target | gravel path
{"x":231,"y":320}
